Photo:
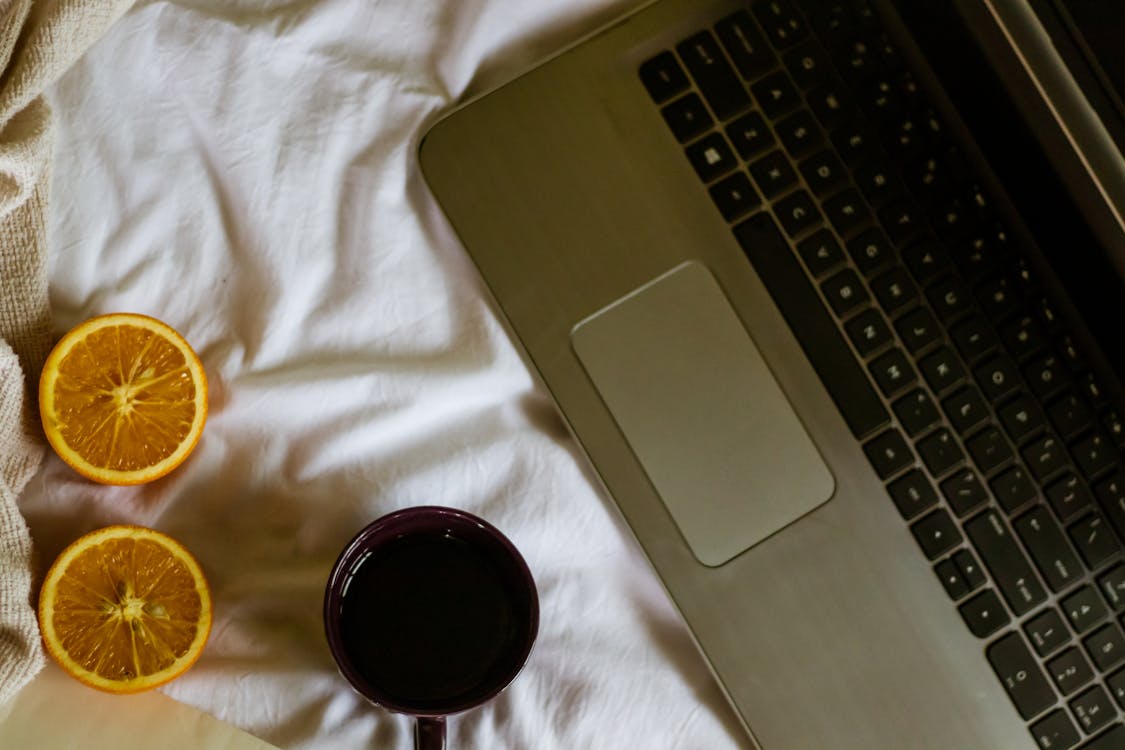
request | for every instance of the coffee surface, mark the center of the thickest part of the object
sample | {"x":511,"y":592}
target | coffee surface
{"x":428,"y":620}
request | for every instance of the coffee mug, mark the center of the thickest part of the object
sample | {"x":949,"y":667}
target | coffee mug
{"x":430,"y":611}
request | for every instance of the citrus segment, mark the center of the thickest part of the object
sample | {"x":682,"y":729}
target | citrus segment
{"x":123,"y":398}
{"x":125,"y":609}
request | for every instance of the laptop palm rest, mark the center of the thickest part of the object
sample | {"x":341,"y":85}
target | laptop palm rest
{"x":702,"y":412}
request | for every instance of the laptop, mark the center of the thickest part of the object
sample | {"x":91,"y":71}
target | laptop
{"x":830,"y":294}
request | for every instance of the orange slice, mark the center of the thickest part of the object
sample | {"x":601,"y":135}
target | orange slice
{"x":125,"y":609}
{"x":123,"y":399}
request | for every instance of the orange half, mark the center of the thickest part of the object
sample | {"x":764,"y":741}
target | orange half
{"x":123,"y":398}
{"x":125,"y":609}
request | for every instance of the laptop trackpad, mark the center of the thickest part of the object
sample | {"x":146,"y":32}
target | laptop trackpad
{"x":702,"y":412}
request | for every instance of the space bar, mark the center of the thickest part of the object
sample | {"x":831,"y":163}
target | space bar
{"x":807,"y":316}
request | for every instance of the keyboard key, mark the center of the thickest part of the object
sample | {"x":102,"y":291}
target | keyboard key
{"x":663,"y":77}
{"x":799,"y":133}
{"x":1113,"y":739}
{"x":1047,"y":632}
{"x":984,"y":614}
{"x":893,"y":373}
{"x":715,"y":77}
{"x":750,"y":135}
{"x":940,"y":452}
{"x":1020,"y":675}
{"x":853,"y":142}
{"x":810,"y":322}
{"x":894,"y":290}
{"x":1070,"y":671}
{"x":1055,"y":731}
{"x":1110,"y":493}
{"x":912,"y":493}
{"x":997,"y":378}
{"x":1048,"y":547}
{"x":1069,"y":497}
{"x":1112,"y":585}
{"x":687,"y":117}
{"x":846,"y":211}
{"x":823,"y":172}
{"x":1021,"y":416}
{"x":735,"y":196}
{"x":926,"y":261}
{"x":1013,"y":488}
{"x":949,"y":298}
{"x":1083,"y":609}
{"x":877,"y":182}
{"x":951,"y":579}
{"x":832,"y":104}
{"x":845,"y":292}
{"x":869,"y":332}
{"x":870,"y":250}
{"x":965,"y":409}
{"x":1116,"y":684}
{"x":1023,"y":337}
{"x":998,"y":296}
{"x":902,"y":221}
{"x":711,"y":157}
{"x":936,"y":534}
{"x":1046,"y":376}
{"x":942,"y":370}
{"x":798,"y":213}
{"x":989,"y":449}
{"x":1093,"y":540}
{"x":888,"y":453}
{"x":918,"y":329}
{"x":1005,"y":561}
{"x":773,"y":174}
{"x":1106,"y":647}
{"x":1070,"y":415}
{"x":781,"y":22}
{"x":821,"y":252}
{"x":776,"y":95}
{"x":1093,"y":709}
{"x":746,"y":46}
{"x":807,"y":64}
{"x":916,"y":412}
{"x":1045,"y":456}
{"x":964,"y":492}
{"x":970,"y":569}
{"x":1094,"y":453}
{"x":973,"y":338}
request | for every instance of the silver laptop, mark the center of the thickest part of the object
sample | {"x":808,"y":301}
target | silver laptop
{"x":830,"y":294}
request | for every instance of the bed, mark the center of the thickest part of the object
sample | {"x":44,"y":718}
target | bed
{"x":245,"y":170}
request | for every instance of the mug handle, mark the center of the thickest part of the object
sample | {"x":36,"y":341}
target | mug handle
{"x":429,"y":733}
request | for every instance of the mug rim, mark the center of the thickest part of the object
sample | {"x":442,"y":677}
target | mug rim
{"x":345,"y":562}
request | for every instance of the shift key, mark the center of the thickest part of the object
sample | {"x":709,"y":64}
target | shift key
{"x":999,"y":552}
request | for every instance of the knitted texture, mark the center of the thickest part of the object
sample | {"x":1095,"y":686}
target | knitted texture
{"x":39,"y":39}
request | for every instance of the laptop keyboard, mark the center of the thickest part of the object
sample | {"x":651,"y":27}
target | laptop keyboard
{"x":998,"y":446}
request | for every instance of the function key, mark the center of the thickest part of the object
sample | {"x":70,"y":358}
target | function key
{"x":713,"y":74}
{"x":781,"y":21}
{"x":745,"y":45}
{"x":687,"y":117}
{"x":663,"y":77}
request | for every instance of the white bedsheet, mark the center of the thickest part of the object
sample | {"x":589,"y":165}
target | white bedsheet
{"x":245,"y":170}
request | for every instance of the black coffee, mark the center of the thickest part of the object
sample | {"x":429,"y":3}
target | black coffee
{"x":429,"y":620}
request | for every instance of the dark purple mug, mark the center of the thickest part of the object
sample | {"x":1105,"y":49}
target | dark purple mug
{"x":430,"y":611}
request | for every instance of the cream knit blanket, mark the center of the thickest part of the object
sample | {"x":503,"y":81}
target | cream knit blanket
{"x":39,"y":39}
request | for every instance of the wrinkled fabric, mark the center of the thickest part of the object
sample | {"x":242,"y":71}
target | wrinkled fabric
{"x":246,"y":171}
